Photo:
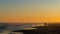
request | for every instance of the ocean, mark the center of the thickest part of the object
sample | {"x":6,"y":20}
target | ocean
{"x":7,"y":28}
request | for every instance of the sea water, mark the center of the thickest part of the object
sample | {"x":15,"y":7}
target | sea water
{"x":8,"y":28}
{"x":9,"y":32}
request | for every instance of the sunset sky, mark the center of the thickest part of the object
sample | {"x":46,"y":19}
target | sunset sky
{"x":29,"y":10}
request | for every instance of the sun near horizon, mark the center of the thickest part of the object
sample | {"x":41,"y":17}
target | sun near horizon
{"x":30,"y":11}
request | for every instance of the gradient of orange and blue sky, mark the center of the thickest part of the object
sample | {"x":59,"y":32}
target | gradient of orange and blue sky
{"x":29,"y":10}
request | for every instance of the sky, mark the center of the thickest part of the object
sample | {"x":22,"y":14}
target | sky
{"x":29,"y":10}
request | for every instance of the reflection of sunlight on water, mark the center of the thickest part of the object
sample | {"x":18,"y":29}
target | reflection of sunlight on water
{"x":37,"y":25}
{"x":29,"y":28}
{"x":9,"y":32}
{"x":5,"y":32}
